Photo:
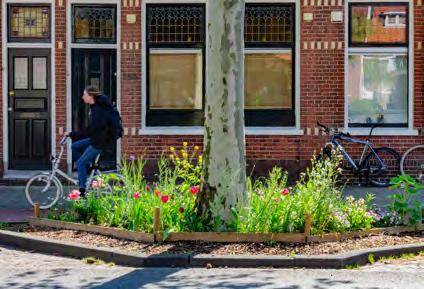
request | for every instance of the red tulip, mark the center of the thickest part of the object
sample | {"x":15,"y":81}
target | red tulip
{"x":136,"y":195}
{"x":194,"y":190}
{"x":285,"y":192}
{"x":164,"y":198}
{"x":181,"y":210}
{"x":157,"y":193}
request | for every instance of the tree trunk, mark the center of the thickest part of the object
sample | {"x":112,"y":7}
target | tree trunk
{"x":224,"y":173}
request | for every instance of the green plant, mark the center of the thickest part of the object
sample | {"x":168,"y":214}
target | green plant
{"x":406,"y":204}
{"x":371,"y":259}
{"x":355,"y":266}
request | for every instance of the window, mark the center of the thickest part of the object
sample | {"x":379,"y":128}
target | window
{"x":175,"y":64}
{"x":378,"y":65}
{"x":269,"y":65}
{"x":29,"y":23}
{"x":94,"y":24}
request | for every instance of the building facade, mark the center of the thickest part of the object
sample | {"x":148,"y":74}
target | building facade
{"x":346,"y":63}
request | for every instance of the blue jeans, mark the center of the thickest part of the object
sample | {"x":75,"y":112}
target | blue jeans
{"x":84,"y":154}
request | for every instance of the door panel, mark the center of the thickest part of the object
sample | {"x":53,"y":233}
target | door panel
{"x":93,"y":67}
{"x":29,"y":108}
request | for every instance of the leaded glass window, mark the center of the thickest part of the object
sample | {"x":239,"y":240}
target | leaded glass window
{"x":269,"y":64}
{"x":94,"y":24}
{"x":29,"y":23}
{"x":268,"y":23}
{"x":175,"y":24}
{"x":175,"y":60}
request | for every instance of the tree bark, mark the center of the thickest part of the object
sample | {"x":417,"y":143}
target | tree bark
{"x":224,"y":170}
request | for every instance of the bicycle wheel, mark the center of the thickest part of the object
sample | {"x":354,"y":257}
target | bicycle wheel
{"x":40,"y":189}
{"x":412,"y":163}
{"x":378,"y":175}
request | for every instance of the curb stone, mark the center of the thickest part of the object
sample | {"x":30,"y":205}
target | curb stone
{"x":72,"y":249}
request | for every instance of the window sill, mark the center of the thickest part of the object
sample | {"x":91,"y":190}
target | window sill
{"x":273,"y":131}
{"x":383,"y":131}
{"x":171,"y":130}
{"x":177,"y":130}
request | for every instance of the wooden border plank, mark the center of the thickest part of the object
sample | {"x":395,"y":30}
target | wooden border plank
{"x":112,"y":232}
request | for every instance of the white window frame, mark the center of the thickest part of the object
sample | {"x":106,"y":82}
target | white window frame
{"x":198,"y":130}
{"x":386,"y":131}
{"x":5,"y":46}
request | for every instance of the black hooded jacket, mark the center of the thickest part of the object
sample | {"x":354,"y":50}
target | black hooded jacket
{"x":100,"y":129}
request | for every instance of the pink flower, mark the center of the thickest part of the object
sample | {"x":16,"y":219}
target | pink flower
{"x":157,"y":193}
{"x":194,"y":190}
{"x":181,"y":210}
{"x":95,"y":184}
{"x":74,"y":195}
{"x":164,"y":198}
{"x":276,"y":200}
{"x":285,"y":192}
{"x":136,"y":195}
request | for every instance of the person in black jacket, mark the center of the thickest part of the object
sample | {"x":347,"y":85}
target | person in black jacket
{"x":98,"y":136}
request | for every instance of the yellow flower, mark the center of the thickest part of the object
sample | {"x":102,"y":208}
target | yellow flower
{"x":196,"y":148}
{"x":171,"y":156}
{"x":200,"y":158}
{"x":185,"y":143}
{"x":172,"y":149}
{"x":185,"y":155}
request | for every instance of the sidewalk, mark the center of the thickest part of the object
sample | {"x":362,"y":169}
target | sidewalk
{"x":13,"y":203}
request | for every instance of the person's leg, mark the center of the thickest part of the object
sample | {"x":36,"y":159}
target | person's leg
{"x":87,"y":157}
{"x":79,"y":147}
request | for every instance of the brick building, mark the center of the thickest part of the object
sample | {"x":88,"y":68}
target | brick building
{"x":345,"y":63}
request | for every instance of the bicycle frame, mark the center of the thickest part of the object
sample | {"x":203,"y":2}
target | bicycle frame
{"x":56,"y":171}
{"x":365,"y":143}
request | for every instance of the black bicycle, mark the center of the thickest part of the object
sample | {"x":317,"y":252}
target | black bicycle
{"x":378,"y":165}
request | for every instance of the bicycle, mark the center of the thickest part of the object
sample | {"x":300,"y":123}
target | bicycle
{"x":412,"y":163}
{"x":46,"y":188}
{"x":378,"y":166}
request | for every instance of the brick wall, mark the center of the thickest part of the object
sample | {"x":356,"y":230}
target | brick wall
{"x":322,"y":46}
{"x":61,"y":71}
{"x":1,"y":90}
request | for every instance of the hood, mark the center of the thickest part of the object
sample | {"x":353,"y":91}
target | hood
{"x":105,"y":101}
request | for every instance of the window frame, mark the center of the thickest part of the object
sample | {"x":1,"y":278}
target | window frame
{"x":90,"y":40}
{"x":396,"y":49}
{"x":274,"y":117}
{"x":11,"y":39}
{"x":174,"y":117}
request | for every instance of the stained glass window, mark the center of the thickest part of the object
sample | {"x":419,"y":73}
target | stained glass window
{"x":94,"y":24}
{"x":27,"y":23}
{"x":175,"y":24}
{"x":268,"y":23}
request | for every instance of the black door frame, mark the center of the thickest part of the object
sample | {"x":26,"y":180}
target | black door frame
{"x":74,"y":85}
{"x":43,"y":112}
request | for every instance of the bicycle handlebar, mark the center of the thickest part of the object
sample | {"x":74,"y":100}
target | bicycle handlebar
{"x":64,"y":140}
{"x":334,"y":130}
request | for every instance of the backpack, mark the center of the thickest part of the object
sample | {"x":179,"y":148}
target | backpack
{"x":116,"y":121}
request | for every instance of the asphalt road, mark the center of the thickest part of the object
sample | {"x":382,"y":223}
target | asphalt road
{"x":20,"y":269}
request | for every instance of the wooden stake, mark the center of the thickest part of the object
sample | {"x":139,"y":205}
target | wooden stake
{"x":37,"y":210}
{"x":156,"y":221}
{"x":308,"y":224}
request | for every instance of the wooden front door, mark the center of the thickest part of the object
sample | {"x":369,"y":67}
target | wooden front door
{"x":29,"y":108}
{"x":93,"y":67}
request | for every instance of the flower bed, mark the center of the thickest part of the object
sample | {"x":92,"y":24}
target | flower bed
{"x":273,"y":212}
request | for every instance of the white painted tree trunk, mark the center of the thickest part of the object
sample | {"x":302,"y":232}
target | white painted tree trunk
{"x":224,"y":145}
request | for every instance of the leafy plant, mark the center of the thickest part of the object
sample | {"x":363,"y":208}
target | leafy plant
{"x":406,"y":204}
